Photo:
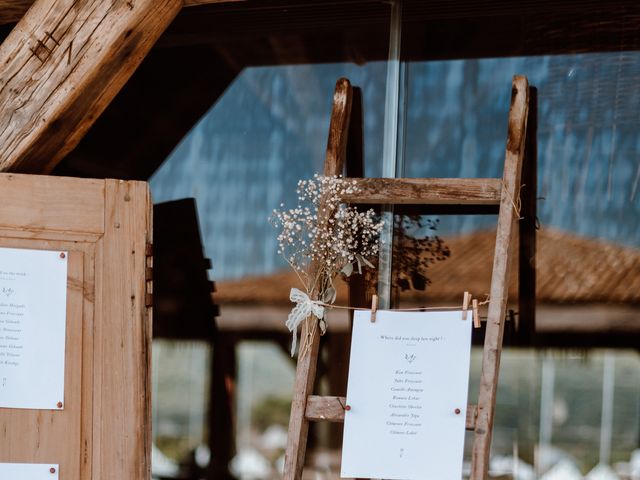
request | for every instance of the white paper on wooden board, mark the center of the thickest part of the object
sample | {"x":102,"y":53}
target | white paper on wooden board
{"x":408,"y":373}
{"x":33,"y":304}
{"x":29,"y":471}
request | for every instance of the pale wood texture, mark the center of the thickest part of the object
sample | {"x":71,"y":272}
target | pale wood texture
{"x":20,"y":430}
{"x":122,"y":395}
{"x":307,"y":363}
{"x":507,"y":220}
{"x":429,"y":191}
{"x":24,"y":207}
{"x":61,"y":66}
{"x":331,"y":409}
{"x":104,"y":429}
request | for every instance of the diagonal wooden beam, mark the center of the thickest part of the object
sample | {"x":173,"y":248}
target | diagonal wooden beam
{"x":61,"y":66}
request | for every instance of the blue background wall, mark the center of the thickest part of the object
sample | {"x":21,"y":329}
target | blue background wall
{"x":269,"y":129}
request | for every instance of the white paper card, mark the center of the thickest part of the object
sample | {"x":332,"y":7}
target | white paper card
{"x":408,"y":373}
{"x":29,"y":471}
{"x":33,"y":303}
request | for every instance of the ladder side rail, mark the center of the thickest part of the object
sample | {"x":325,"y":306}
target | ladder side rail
{"x":307,"y":363}
{"x":507,"y":220}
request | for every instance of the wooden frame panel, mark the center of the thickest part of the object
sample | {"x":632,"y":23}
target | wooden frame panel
{"x":16,"y":443}
{"x":104,"y":430}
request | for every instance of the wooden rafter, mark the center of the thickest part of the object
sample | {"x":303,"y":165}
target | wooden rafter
{"x":62,"y":65}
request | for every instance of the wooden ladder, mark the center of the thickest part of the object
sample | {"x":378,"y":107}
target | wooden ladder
{"x":502,"y":194}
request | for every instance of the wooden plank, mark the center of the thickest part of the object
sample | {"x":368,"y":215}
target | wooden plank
{"x":122,"y":337}
{"x":106,"y":421}
{"x":34,"y":436}
{"x":331,"y":409}
{"x":507,"y":219}
{"x":61,"y":66}
{"x":89,"y":299}
{"x":428,"y":191}
{"x":307,"y":363}
{"x":35,"y":203}
{"x":527,"y":229}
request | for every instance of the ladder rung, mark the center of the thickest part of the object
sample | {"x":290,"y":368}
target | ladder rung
{"x":427,"y":191}
{"x":331,"y":409}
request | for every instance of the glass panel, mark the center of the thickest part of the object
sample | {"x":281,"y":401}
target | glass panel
{"x":265,"y":383}
{"x":243,"y":159}
{"x":559,"y":411}
{"x":588,"y":147}
{"x":180,"y":386}
{"x":246,"y":155}
{"x":579,"y":429}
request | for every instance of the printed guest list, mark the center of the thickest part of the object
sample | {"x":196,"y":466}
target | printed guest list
{"x":408,"y":386}
{"x":33,"y":302}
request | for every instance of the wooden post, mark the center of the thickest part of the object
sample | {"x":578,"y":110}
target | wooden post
{"x":307,"y":363}
{"x":221,"y":412}
{"x":527,"y":230}
{"x":500,"y":278}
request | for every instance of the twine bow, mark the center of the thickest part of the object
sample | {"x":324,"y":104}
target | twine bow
{"x":303,"y":309}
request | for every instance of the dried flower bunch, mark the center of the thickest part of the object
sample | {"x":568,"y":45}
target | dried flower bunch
{"x":323,"y":237}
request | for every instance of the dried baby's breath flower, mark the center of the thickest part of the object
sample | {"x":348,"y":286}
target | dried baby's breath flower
{"x":343,"y":242}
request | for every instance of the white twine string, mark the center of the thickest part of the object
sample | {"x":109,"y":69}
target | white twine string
{"x":306,"y":307}
{"x":303,"y":309}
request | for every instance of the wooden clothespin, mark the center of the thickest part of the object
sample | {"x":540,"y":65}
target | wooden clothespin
{"x":476,"y":315}
{"x":465,"y":304}
{"x":374,"y":307}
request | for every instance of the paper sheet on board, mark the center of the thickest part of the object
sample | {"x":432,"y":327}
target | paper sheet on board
{"x":33,"y":303}
{"x":408,"y":373}
{"x":29,"y":471}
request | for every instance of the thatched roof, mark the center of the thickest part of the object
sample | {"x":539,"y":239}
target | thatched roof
{"x":570,"y":269}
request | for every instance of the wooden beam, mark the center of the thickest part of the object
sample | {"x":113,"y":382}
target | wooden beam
{"x":427,"y":191}
{"x":61,"y":66}
{"x":331,"y":409}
